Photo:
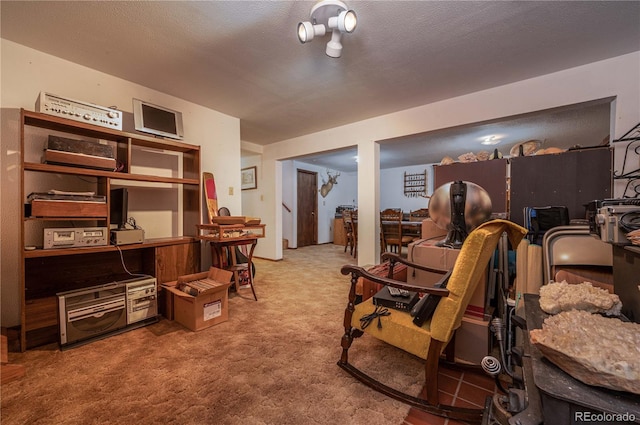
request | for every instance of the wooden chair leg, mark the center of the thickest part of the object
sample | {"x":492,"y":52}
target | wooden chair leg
{"x":431,"y":372}
{"x":450,"y":350}
{"x":349,"y":331}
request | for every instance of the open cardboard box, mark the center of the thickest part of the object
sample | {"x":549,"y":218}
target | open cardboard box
{"x":473,"y":339}
{"x":426,"y":253}
{"x":207,"y":308}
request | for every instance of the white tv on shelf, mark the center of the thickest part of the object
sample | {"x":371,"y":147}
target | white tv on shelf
{"x":157,"y":120}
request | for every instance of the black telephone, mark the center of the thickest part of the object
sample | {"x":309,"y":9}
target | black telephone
{"x":424,"y":309}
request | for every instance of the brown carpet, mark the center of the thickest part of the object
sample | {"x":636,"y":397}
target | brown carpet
{"x":272,"y":362}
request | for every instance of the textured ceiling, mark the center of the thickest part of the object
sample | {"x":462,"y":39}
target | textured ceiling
{"x":242,"y":58}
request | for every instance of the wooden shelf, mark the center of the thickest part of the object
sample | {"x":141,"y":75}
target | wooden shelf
{"x":50,"y":122}
{"x":46,"y":272}
{"x":62,"y":169}
{"x":148,"y":243}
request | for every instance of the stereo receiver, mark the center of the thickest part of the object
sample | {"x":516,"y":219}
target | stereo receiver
{"x":78,"y":237}
{"x":79,"y":111}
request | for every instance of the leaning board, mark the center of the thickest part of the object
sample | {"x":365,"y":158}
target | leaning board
{"x":210,"y":194}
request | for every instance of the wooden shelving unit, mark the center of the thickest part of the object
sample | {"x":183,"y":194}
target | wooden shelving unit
{"x":415,"y":184}
{"x":45,"y":272}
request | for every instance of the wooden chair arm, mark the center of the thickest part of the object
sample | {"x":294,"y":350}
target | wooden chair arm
{"x":357,"y":271}
{"x":395,"y":258}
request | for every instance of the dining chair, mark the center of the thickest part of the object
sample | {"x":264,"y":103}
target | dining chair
{"x":391,"y":225}
{"x":354,"y":232}
{"x":417,"y":216}
{"x":348,"y":228}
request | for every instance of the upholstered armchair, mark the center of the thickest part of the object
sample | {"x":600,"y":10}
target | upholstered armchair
{"x":430,"y":340}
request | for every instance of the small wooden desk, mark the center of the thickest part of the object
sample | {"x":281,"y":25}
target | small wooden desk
{"x":232,"y":236}
{"x":233,"y":266}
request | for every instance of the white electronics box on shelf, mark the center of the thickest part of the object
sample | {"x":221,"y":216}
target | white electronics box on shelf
{"x":79,"y":111}
{"x":126,"y":237}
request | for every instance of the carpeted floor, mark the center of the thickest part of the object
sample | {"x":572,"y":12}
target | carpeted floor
{"x":272,"y":362}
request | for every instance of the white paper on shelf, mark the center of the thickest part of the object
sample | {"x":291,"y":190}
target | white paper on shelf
{"x":61,"y":192}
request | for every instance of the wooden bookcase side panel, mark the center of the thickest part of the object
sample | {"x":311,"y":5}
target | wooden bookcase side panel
{"x":177,"y":260}
{"x":41,"y":313}
{"x":191,"y":198}
{"x":123,"y":155}
{"x":191,"y":165}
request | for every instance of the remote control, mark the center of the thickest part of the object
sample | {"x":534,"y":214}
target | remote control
{"x":395,"y":292}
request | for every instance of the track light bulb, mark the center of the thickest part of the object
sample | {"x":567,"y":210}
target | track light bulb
{"x":307,"y":31}
{"x":347,"y":21}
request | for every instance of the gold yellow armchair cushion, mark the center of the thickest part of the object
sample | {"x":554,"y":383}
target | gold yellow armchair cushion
{"x":397,"y":329}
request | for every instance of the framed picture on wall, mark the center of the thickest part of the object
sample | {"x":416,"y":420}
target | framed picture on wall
{"x":248,"y":178}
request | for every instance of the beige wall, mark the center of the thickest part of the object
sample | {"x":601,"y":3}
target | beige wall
{"x":24,"y":73}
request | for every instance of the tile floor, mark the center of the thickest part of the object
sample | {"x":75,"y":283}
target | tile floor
{"x":463,"y":388}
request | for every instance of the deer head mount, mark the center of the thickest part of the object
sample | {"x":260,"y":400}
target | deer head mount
{"x":328,"y":185}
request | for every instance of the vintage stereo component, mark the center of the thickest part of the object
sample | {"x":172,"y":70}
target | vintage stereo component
{"x":608,"y":220}
{"x":79,"y":237}
{"x":395,"y":298}
{"x":78,"y":160}
{"x":91,"y":312}
{"x":86,"y":147}
{"x":79,"y":153}
{"x":79,"y":111}
{"x":126,"y":237}
{"x":142,"y":300}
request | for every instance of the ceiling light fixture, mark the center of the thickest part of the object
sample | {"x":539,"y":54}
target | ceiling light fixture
{"x":491,"y":140}
{"x":330,"y":15}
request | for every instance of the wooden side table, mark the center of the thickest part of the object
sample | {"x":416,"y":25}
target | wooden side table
{"x":218,"y":247}
{"x":222,"y":236}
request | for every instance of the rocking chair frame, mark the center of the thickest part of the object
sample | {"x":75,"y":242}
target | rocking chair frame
{"x":431,"y":403}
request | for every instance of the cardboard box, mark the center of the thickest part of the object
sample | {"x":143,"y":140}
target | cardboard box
{"x":430,"y":231}
{"x":207,"y":308}
{"x":427,"y":254}
{"x":473,"y":340}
